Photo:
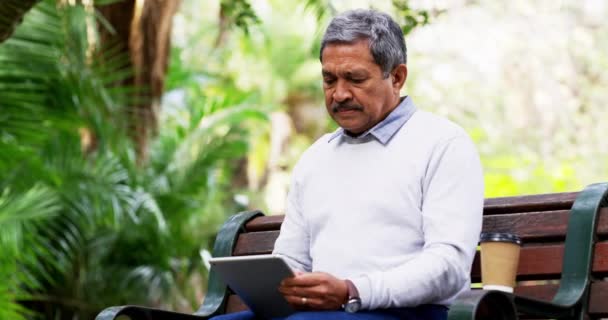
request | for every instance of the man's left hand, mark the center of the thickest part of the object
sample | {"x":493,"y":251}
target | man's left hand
{"x":314,"y":291}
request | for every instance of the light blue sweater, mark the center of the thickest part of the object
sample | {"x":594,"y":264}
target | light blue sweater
{"x":400,"y":219}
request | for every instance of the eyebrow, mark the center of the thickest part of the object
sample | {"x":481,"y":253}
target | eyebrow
{"x":349,"y":74}
{"x":326,"y":73}
{"x":357,"y":73}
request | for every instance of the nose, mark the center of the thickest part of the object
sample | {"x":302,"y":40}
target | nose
{"x":342,"y":92}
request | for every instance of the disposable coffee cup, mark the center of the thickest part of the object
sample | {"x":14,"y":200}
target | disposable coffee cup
{"x":499,"y":260}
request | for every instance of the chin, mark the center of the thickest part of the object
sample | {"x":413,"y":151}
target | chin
{"x":348,"y":125}
{"x":354,"y":131}
{"x":348,"y":128}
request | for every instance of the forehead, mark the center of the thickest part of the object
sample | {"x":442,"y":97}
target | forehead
{"x":348,"y":55}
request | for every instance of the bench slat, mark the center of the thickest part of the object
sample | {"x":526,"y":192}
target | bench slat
{"x":255,"y":243}
{"x":529,"y":226}
{"x":539,"y":226}
{"x":545,"y":262}
{"x":265,"y":223}
{"x":531,"y":203}
{"x":536,"y":261}
{"x":532,"y":227}
{"x":539,"y":202}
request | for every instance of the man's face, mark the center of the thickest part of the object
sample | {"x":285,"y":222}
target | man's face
{"x":357,"y":95}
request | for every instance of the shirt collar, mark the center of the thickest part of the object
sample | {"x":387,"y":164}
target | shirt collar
{"x":385,"y":129}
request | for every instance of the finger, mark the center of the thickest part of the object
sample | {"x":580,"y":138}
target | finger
{"x":319,"y":291}
{"x":288,"y":279}
{"x":297,"y":302}
{"x":314,"y":304}
{"x":292,"y":281}
{"x":290,"y":290}
{"x":297,"y":291}
{"x":310,"y":303}
{"x":305,"y":280}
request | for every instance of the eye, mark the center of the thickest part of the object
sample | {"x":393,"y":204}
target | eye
{"x":328,"y":80}
{"x":357,"y":80}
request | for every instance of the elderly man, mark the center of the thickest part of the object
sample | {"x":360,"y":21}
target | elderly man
{"x":384,"y":214}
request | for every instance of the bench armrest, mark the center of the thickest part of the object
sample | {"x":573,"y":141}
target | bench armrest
{"x":572,"y":295}
{"x":483,"y":304}
{"x":217,"y":292}
{"x":143,"y":313}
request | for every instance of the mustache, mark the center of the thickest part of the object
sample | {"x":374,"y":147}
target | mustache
{"x":337,"y":107}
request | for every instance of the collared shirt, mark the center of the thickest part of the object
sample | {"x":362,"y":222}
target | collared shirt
{"x":385,"y":129}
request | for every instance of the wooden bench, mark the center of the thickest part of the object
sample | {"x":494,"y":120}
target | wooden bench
{"x":573,"y":226}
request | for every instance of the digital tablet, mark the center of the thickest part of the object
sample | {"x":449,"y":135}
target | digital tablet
{"x":256,"y":280}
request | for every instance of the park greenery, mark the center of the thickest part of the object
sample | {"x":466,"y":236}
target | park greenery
{"x":86,"y":222}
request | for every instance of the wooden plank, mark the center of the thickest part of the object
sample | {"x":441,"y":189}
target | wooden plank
{"x":600,"y":259}
{"x":599,"y":296}
{"x":532,"y":227}
{"x":602,"y":224}
{"x":255,"y":243}
{"x":536,"y":261}
{"x":539,"y":226}
{"x":545,"y":262}
{"x":539,"y":202}
{"x":529,"y":225}
{"x":265,"y":223}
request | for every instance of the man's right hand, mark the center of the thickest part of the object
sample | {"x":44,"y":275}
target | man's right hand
{"x":314,"y":291}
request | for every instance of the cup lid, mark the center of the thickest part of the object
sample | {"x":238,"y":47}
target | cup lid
{"x":499,"y":237}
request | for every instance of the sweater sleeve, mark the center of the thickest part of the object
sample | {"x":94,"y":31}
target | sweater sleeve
{"x":452,"y":204}
{"x":294,"y":238}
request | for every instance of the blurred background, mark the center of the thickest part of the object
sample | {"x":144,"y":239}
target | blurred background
{"x":130,"y":130}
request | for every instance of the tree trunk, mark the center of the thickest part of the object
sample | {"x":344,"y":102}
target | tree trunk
{"x":144,"y":30}
{"x":11,"y":14}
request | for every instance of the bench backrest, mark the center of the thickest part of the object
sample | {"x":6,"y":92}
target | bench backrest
{"x":540,"y":220}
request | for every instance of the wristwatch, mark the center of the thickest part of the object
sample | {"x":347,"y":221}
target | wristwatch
{"x":353,"y":304}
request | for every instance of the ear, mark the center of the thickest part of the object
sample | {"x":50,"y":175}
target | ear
{"x":399,"y":75}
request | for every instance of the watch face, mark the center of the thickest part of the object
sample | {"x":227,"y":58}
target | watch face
{"x":353,"y":305}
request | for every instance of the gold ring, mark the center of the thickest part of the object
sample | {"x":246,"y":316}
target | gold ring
{"x":304,"y":300}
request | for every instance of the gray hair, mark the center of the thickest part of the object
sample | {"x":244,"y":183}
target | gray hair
{"x":386,"y":40}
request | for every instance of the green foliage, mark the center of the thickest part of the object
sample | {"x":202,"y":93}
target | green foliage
{"x":19,"y":215}
{"x":410,"y":19}
{"x":83,"y":226}
{"x":239,"y":13}
{"x":321,"y":8}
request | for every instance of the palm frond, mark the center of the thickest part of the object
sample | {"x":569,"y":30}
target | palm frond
{"x":17,"y":210}
{"x":17,"y":215}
